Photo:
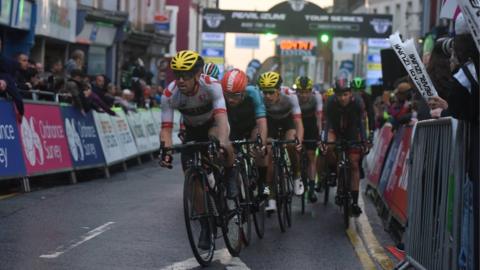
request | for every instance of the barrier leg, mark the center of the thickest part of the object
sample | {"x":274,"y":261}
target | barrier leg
{"x":107,"y":172}
{"x":402,"y":265}
{"x":73,"y":177}
{"x":25,"y":184}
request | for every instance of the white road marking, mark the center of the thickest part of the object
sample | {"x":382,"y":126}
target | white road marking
{"x":222,"y":256}
{"x":88,"y":236}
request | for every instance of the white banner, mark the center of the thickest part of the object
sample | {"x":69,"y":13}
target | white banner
{"x":152,"y":131}
{"x":157,"y":118}
{"x":108,"y":139}
{"x":471,"y":12}
{"x":407,"y":53}
{"x":138,"y":130}
{"x":124,"y":135}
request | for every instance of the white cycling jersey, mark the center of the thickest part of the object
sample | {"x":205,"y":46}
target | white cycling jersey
{"x":288,"y":104}
{"x":196,"y":109}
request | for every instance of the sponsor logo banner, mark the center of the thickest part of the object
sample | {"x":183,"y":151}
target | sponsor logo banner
{"x":11,"y":162}
{"x":108,"y":139}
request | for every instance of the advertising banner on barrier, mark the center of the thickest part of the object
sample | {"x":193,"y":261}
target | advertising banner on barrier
{"x":124,"y":134}
{"x":82,"y":138}
{"x":396,"y":191}
{"x":110,"y":145}
{"x":11,"y":162}
{"x":152,"y":131}
{"x":138,"y":130}
{"x":378,"y":155}
{"x":390,"y":161}
{"x":44,"y":141}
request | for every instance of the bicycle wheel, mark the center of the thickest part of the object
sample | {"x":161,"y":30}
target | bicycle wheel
{"x":279,"y":186}
{"x":245,"y":202}
{"x":326,"y":190}
{"x":259,"y":215}
{"x":288,"y":180}
{"x":232,"y":225}
{"x":343,"y":178}
{"x":194,"y":198}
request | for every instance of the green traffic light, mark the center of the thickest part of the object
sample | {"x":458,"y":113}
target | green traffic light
{"x":324,"y":38}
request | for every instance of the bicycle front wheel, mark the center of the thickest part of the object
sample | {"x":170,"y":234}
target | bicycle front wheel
{"x":344,"y":179}
{"x":232,"y":226}
{"x":246,"y":203}
{"x":279,"y":186}
{"x":288,"y":184}
{"x":197,"y":218}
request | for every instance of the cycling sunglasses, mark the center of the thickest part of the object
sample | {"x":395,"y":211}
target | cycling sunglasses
{"x":234,"y":95}
{"x":269,"y":91}
{"x":185,"y":75}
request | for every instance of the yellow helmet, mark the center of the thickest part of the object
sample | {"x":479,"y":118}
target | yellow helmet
{"x":303,"y":83}
{"x":186,"y":61}
{"x":329,"y":92}
{"x":269,"y":80}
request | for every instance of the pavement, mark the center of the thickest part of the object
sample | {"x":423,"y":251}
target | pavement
{"x":134,"y":220}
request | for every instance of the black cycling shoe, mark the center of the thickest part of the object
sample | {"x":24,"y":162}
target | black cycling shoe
{"x":332,"y":180}
{"x":204,"y":241}
{"x":356,"y":210}
{"x":232,"y":187}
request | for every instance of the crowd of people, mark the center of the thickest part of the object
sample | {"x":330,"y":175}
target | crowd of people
{"x":22,"y":78}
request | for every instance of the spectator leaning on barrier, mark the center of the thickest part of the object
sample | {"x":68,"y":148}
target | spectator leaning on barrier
{"x":56,"y":78}
{"x":75,"y":86}
{"x":23,"y":74}
{"x":96,"y":102}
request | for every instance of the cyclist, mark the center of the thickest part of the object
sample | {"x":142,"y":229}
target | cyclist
{"x":283,"y":116}
{"x":246,"y":113}
{"x":199,"y":99}
{"x":311,"y":104}
{"x":359,"y":86}
{"x":345,"y":114}
{"x":211,"y":70}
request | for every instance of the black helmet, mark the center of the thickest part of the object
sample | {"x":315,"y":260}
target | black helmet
{"x":342,"y":85}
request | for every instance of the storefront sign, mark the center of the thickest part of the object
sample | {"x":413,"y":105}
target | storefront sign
{"x":298,"y":23}
{"x":11,"y":162}
{"x":57,"y":19}
{"x":300,"y":47}
{"x":22,"y":13}
{"x":83,"y":139}
{"x":44,"y":139}
{"x":5,"y":11}
{"x":346,"y":45}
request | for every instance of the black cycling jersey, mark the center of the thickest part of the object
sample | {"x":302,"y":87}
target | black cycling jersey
{"x":347,"y":122}
{"x":242,"y":119}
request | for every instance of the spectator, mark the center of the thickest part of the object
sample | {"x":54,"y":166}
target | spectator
{"x":401,"y":109}
{"x":99,"y":87}
{"x":56,"y":78}
{"x":23,"y":74}
{"x":95,"y":101}
{"x":76,"y":62}
{"x":75,"y":87}
{"x":8,"y":88}
{"x":137,"y":85}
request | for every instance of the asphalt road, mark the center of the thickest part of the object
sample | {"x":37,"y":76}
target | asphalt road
{"x":134,"y":220}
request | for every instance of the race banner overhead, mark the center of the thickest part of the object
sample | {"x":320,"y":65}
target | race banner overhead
{"x":300,"y":23}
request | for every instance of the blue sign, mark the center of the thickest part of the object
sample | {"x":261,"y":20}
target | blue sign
{"x":163,"y":26}
{"x":11,"y":152}
{"x":83,"y":140}
{"x":247,"y":42}
{"x":347,"y":65}
{"x":213,"y":52}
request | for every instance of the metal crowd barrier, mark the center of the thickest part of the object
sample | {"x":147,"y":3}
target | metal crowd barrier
{"x":436,"y":177}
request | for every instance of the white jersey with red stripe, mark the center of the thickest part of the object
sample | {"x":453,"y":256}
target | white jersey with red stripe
{"x":286,"y":105}
{"x":196,"y":109}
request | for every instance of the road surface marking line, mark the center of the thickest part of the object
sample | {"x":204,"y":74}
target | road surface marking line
{"x":222,"y":255}
{"x":375,"y":249}
{"x":360,"y":249}
{"x":86,"y":237}
{"x":4,"y":197}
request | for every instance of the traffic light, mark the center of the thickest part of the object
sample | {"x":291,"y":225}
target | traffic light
{"x":324,"y":38}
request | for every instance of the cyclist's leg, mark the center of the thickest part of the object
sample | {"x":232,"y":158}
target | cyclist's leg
{"x":331,"y":158}
{"x":312,"y":171}
{"x":273,"y":129}
{"x":294,"y":156}
{"x":232,"y":187}
{"x":261,"y":163}
{"x":354,"y":155}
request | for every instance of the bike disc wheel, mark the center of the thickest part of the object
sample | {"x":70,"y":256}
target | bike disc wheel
{"x":194,"y":190}
{"x":232,"y":226}
{"x":246,"y":203}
